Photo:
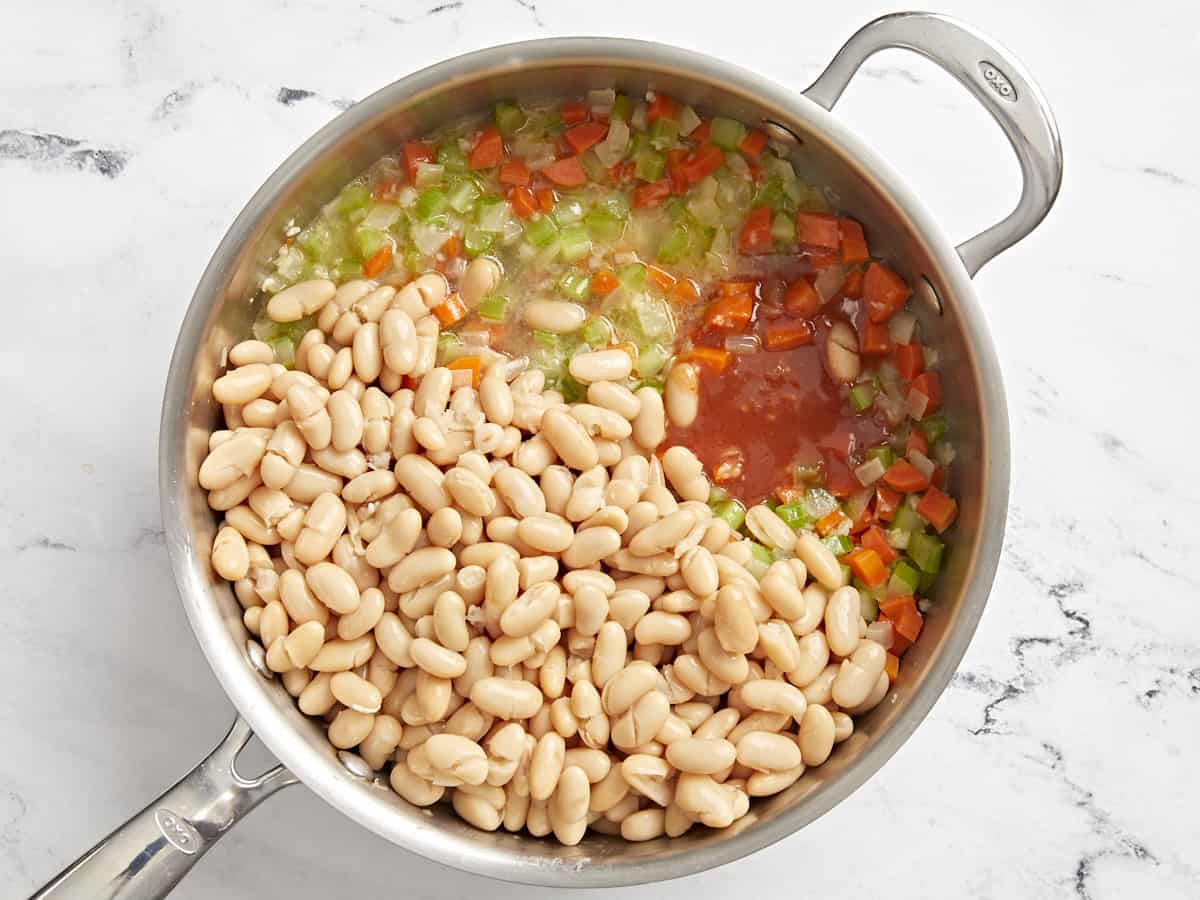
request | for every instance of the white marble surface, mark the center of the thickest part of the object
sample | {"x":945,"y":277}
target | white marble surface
{"x":1060,"y":763}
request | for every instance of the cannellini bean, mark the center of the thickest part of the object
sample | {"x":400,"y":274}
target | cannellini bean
{"x":814,"y":656}
{"x":242,"y":384}
{"x":734,"y":623}
{"x":649,"y":428}
{"x":615,"y":397}
{"x":420,"y":567}
{"x":816,"y":735}
{"x":701,"y":756}
{"x":481,"y":277}
{"x":767,"y":752}
{"x":858,"y":674}
{"x":234,"y":459}
{"x":505,"y":698}
{"x":300,"y":300}
{"x":456,"y":760}
{"x":555,"y":316}
{"x":520,"y":492}
{"x":820,"y":561}
{"x":355,"y":692}
{"x":569,"y":438}
{"x":685,"y":473}
{"x":349,"y":728}
{"x":682,"y":394}
{"x":842,"y":616}
{"x":323,"y":525}
{"x":230,"y":556}
{"x":878,"y":692}
{"x":769,"y":528}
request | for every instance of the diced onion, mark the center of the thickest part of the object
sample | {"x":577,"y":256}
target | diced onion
{"x":829,"y":281}
{"x":918,"y":403}
{"x":881,"y":633}
{"x":741,"y":343}
{"x":382,"y":216}
{"x":921,"y":463}
{"x":429,"y":174}
{"x":429,"y":238}
{"x":611,"y":150}
{"x":931,"y":357}
{"x":870,"y":471}
{"x":407,"y":196}
{"x":898,"y":539}
{"x":945,"y":453}
{"x":902,"y":327}
{"x":688,"y":121}
{"x":540,"y":156}
{"x":601,"y":100}
{"x":637,"y":118}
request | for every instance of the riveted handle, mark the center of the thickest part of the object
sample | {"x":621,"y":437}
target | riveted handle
{"x":147,"y":856}
{"x":997,"y":80}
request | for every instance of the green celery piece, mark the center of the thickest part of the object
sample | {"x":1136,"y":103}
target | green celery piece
{"x":651,"y":359}
{"x":883,"y":454}
{"x":574,"y":284}
{"x":794,"y":515}
{"x":604,"y":225}
{"x":476,"y":241}
{"x":757,"y":550}
{"x":317,"y":239}
{"x":547,"y":339}
{"x":727,"y":133}
{"x":732,"y":512}
{"x":463,"y":194}
{"x":868,"y":604}
{"x":783,"y":229}
{"x":593,"y":167}
{"x":904,"y":580}
{"x":717,"y":495}
{"x":926,"y":551}
{"x":369,"y":241}
{"x":567,"y":211}
{"x":907,"y":519}
{"x":510,"y":118}
{"x":862,"y":397}
{"x":541,"y":230}
{"x":429,"y":174}
{"x":492,"y":213}
{"x":663,"y":133}
{"x":572,"y":390}
{"x":431,"y":203}
{"x":927,"y":580}
{"x":649,"y":165}
{"x":617,"y":204}
{"x":284,"y":349}
{"x":346,"y":269}
{"x":451,"y":156}
{"x":596,"y":332}
{"x":493,"y":308}
{"x":447,"y":347}
{"x":622,"y":109}
{"x":839,"y":544}
{"x":934,"y":428}
{"x":773,"y":194}
{"x":632,"y":277}
{"x":354,"y":197}
{"x":655,"y":384}
{"x":575,"y":243}
{"x":674,"y":245}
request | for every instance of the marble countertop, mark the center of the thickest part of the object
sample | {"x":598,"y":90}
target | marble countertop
{"x":1059,"y":763}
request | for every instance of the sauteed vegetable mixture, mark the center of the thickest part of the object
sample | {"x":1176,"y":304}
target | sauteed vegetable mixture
{"x":585,"y":469}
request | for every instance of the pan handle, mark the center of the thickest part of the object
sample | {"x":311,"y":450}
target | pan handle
{"x":147,"y":856}
{"x":997,"y":80}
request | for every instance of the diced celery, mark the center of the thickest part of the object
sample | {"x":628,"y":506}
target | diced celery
{"x":934,"y":428}
{"x":429,"y":174}
{"x":794,"y":516}
{"x":717,"y":495}
{"x":727,"y":133}
{"x":868,"y":604}
{"x":567,"y":211}
{"x":663,"y":133}
{"x":492,"y":213}
{"x":655,"y":384}
{"x":732,"y":512}
{"x":431,"y":203}
{"x":463,"y":194}
{"x":317,"y":239}
{"x":547,"y":339}
{"x":650,"y":361}
{"x":540,"y":230}
{"x":604,"y":225}
{"x":447,"y":345}
{"x":688,"y":120}
{"x":595,"y":169}
{"x":653,"y":316}
{"x":862,"y":396}
{"x":772,"y":193}
{"x":759,"y":552}
{"x":346,"y":269}
{"x":622,"y":108}
{"x":451,"y":156}
{"x":904,"y":580}
{"x":674,"y":245}
{"x":352,"y":198}
{"x":284,"y":349}
{"x":907,"y":519}
{"x":369,"y":241}
{"x":572,"y":390}
{"x":632,"y":277}
{"x":839,"y":544}
{"x":783,"y":229}
{"x":574,"y":284}
{"x":926,"y":551}
{"x":476,"y":241}
{"x":493,"y":308}
{"x":649,"y":165}
{"x":927,"y":580}
{"x":883,"y":454}
{"x":509,"y":118}
{"x":574,"y":243}
{"x":596,"y":332}
{"x":818,"y":503}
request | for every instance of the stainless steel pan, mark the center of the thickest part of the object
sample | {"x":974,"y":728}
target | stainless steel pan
{"x":150,"y":853}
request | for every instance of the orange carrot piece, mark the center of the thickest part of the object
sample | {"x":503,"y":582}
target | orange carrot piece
{"x":729,"y":313}
{"x":379,"y":261}
{"x":755,"y":236}
{"x":488,"y":150}
{"x":652,"y":194}
{"x":874,"y":539}
{"x":938,"y":509}
{"x":417,"y":152}
{"x":451,"y":311}
{"x":831,"y":522}
{"x":660,"y":278}
{"x":787,"y":334}
{"x":574,"y":113}
{"x":753,"y":144}
{"x":884,"y":291}
{"x":891,"y":665}
{"x":867,"y":565}
{"x":715,"y":359}
{"x":585,"y":136}
{"x":566,"y":172}
{"x":514,"y":172}
{"x":472,"y":363}
{"x":603,"y":283}
{"x":910,"y":360}
{"x":523,"y":202}
{"x":929,"y":384}
{"x":686,"y":291}
{"x":801,"y":299}
{"x":904,"y":477}
{"x":819,"y":231}
{"x":854,"y":242}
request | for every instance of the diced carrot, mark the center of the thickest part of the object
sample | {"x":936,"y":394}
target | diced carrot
{"x":887,"y":502}
{"x":451,"y":311}
{"x":904,"y":477}
{"x":864,"y":520}
{"x":573,"y":113}
{"x":488,"y":150}
{"x":514,"y":172}
{"x":702,"y":132}
{"x":916,"y":441}
{"x":662,"y":107}
{"x":753,"y":144}
{"x":715,"y":359}
{"x":831,"y":522}
{"x":686,"y":291}
{"x":386,"y":189}
{"x":755,"y":236}
{"x":787,"y":334}
{"x":729,"y":313}
{"x":802,"y":299}
{"x":938,"y":478}
{"x":854,"y":243}
{"x":660,"y":278}
{"x":417,"y":152}
{"x":472,"y":363}
{"x":873,"y":539}
{"x":891,"y":665}
{"x":875,"y":339}
{"x":938,"y":509}
{"x":702,"y":162}
{"x":789,"y":494}
{"x":583,"y":137}
{"x":902,"y":612}
{"x":523,"y":202}
{"x":679,"y":182}
{"x":380,"y":260}
{"x":451,"y":247}
{"x":603,"y":283}
{"x":910,"y":360}
{"x":852,"y":287}
{"x":652,"y":194}
{"x":867,"y":565}
{"x":819,"y":231}
{"x":899,"y":642}
{"x":929,"y":384}
{"x":885,"y":292}
{"x":566,"y":172}
{"x":545,"y":199}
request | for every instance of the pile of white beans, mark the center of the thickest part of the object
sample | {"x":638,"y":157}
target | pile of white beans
{"x":511,"y":601}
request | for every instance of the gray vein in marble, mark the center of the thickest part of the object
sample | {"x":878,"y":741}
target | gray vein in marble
{"x":432,"y":11}
{"x":46,"y":543}
{"x":44,"y":149}
{"x":531,"y":7}
{"x":291,"y":96}
{"x":1167,"y":176}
